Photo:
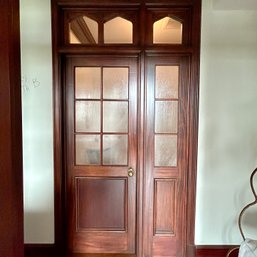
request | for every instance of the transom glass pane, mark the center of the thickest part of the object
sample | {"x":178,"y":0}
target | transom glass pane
{"x":166,"y":116}
{"x":88,"y":82}
{"x":167,"y":31}
{"x":115,"y":149}
{"x":87,"y":149}
{"x":115,"y":83}
{"x":166,"y":81}
{"x":165,"y":151}
{"x":83,"y":30}
{"x":118,"y":31}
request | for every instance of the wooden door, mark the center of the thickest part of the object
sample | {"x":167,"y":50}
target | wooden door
{"x":101,"y":152}
{"x":166,"y":161}
{"x":101,"y":121}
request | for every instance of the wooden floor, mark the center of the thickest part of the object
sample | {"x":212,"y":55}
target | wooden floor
{"x":99,"y":255}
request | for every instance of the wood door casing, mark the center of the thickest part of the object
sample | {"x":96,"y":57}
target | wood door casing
{"x":101,"y":198}
{"x":165,"y":190}
{"x":154,"y":227}
{"x":11,"y":179}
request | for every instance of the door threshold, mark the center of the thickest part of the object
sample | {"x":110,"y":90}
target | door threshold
{"x":99,"y":255}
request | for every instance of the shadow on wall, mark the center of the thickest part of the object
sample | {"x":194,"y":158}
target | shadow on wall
{"x":249,"y":212}
{"x":243,"y":197}
{"x":249,"y":223}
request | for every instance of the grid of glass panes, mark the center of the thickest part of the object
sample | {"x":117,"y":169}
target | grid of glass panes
{"x":166,"y":116}
{"x":101,"y":115}
{"x":84,"y":30}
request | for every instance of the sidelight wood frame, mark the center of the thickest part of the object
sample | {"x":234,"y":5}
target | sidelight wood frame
{"x":189,"y":48}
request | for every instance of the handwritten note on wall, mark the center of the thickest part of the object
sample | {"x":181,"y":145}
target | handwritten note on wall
{"x":28,"y":83}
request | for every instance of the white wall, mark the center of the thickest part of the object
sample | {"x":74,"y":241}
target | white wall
{"x":228,"y":123}
{"x":227,"y":132}
{"x":37,"y":120}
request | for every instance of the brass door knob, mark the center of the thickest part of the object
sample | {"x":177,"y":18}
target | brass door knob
{"x":131,"y":172}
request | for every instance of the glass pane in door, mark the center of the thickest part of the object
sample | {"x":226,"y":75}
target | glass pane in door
{"x":166,"y":81}
{"x":115,"y":83}
{"x":165,"y":151}
{"x":87,"y":116}
{"x":166,"y":116}
{"x":115,"y":149}
{"x":115,"y":116}
{"x":87,"y":82}
{"x":87,"y":149}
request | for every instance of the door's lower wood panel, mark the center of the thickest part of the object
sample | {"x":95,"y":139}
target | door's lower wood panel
{"x":164,"y":206}
{"x":101,"y":215}
{"x":164,"y":244}
{"x":164,"y":238}
{"x":97,"y":198}
{"x":99,"y":242}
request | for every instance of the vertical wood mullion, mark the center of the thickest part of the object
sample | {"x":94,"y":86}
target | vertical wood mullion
{"x":101,"y":132}
{"x":101,"y":32}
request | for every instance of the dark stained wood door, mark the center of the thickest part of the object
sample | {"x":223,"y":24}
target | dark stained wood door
{"x":102,"y":138}
{"x":166,"y":161}
{"x":101,"y":153}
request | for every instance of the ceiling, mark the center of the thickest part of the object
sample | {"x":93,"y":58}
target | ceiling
{"x":234,"y":4}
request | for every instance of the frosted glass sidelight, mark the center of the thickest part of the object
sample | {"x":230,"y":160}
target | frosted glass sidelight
{"x":167,"y":31}
{"x":115,"y":116}
{"x":87,"y":82}
{"x":118,"y":31}
{"x":165,"y":151}
{"x":166,"y":81}
{"x":115,"y":149}
{"x":87,"y":116}
{"x":115,"y":83}
{"x":166,"y":116}
{"x":87,"y":149}
{"x":83,"y":30}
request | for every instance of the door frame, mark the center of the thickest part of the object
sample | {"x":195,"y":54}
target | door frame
{"x":11,"y":178}
{"x":192,"y":50}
